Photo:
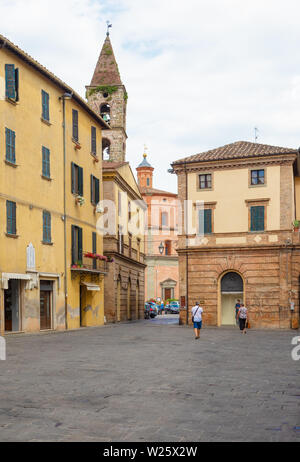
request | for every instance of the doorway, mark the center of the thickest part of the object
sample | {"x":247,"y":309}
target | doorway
{"x":119,"y":299}
{"x":46,"y":298}
{"x":12,"y":306}
{"x":232,"y":290}
{"x":129,"y":301}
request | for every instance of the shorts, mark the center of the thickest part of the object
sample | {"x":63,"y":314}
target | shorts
{"x":198,"y":325}
{"x":242,"y":323}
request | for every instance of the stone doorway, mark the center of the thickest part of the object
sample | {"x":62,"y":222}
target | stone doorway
{"x":232,"y":290}
{"x":12,"y":306}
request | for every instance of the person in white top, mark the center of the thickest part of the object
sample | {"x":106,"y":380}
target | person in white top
{"x":197,"y":311}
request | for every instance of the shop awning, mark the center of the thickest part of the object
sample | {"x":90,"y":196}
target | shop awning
{"x":91,"y":287}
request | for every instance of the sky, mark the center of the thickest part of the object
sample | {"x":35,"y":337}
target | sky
{"x":199,"y":74}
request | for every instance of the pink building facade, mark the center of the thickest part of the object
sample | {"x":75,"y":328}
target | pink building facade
{"x":162,"y":274}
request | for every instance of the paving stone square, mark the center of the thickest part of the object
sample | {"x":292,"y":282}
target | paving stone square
{"x":150,"y":381}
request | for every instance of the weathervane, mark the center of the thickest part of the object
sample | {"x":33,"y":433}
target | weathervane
{"x":109,"y":24}
{"x":145,"y":150}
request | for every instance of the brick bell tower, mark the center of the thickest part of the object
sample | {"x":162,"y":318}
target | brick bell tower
{"x":108,"y":97}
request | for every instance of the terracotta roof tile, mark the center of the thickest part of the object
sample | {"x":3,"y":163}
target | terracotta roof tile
{"x":153,"y":191}
{"x":106,"y":71}
{"x":237,"y":150}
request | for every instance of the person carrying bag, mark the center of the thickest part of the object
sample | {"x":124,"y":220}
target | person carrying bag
{"x":197,"y":311}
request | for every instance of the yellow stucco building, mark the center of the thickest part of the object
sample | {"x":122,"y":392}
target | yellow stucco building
{"x":51,"y":265}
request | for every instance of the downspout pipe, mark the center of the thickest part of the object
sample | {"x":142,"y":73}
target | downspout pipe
{"x":187,"y":255}
{"x":63,"y":98}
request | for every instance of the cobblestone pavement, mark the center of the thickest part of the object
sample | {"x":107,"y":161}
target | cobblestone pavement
{"x":150,"y":381}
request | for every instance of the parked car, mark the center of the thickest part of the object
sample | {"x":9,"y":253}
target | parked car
{"x":167,"y":308}
{"x":174,"y":308}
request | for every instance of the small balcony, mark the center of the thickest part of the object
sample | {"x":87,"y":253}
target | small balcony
{"x":91,"y":263}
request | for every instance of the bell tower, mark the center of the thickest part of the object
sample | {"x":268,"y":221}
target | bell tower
{"x":107,"y":96}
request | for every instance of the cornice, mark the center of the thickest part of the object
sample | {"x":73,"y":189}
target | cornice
{"x":235,"y":163}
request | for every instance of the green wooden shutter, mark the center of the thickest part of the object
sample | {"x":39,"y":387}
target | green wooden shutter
{"x":80,"y":244}
{"x":46,"y":227}
{"x":94,"y":140}
{"x":80,"y":181}
{"x":258,"y":218}
{"x":94,"y":244}
{"x":207,"y":221}
{"x":97,"y":192}
{"x":45,"y":105}
{"x":11,"y":217}
{"x":46,"y":162}
{"x":10,"y":84}
{"x":10,"y":140}
{"x":75,"y":124}
{"x":92,"y":189}
{"x":73,"y":178}
{"x":73,"y":231}
{"x":17,"y":84}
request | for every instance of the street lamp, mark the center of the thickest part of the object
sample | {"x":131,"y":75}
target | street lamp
{"x":161,"y":248}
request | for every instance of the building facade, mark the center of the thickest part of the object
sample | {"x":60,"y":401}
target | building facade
{"x":124,"y":242}
{"x":50,"y":184}
{"x":240,"y":203}
{"x":161,"y":237}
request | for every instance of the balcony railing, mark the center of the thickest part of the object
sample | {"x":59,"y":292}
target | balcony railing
{"x":91,"y":263}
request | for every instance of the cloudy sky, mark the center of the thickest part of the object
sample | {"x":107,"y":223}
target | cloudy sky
{"x":199,"y":73}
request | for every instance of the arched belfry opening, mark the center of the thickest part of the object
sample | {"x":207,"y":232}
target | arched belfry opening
{"x":105,"y":112}
{"x":105,"y":149}
{"x":232,"y":290}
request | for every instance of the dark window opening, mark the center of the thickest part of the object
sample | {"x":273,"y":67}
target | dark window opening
{"x":105,"y":112}
{"x":105,"y":149}
{"x":95,"y":194}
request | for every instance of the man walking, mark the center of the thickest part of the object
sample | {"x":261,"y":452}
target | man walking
{"x":197,"y":311}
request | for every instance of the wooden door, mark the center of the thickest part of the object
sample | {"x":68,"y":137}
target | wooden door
{"x":168,"y":294}
{"x":45,"y":309}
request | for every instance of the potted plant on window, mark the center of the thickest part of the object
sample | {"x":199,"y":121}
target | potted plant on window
{"x":296,"y":225}
{"x":80,"y":200}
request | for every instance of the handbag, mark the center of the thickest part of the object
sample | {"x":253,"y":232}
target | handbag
{"x":193,"y":317}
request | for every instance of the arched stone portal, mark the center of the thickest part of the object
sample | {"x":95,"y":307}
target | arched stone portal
{"x":232,"y":289}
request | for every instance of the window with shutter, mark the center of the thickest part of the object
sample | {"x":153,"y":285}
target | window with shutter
{"x":46,"y":227}
{"x":10,"y":141}
{"x":11,"y":227}
{"x":257,"y":218}
{"x":46,"y":162}
{"x":45,"y":106}
{"x":205,"y":221}
{"x":94,"y":244}
{"x":76,"y":179}
{"x":75,"y":125}
{"x":10,"y":81}
{"x":94,"y":141}
{"x":76,"y":245}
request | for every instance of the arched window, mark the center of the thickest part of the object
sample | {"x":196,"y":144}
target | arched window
{"x":105,"y":112}
{"x":105,"y":149}
{"x":232,"y":283}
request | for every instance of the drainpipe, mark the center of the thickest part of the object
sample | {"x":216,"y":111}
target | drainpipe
{"x":187,"y":255}
{"x":63,"y":98}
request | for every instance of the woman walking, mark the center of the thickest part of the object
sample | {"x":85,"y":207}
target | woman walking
{"x":243,"y":318}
